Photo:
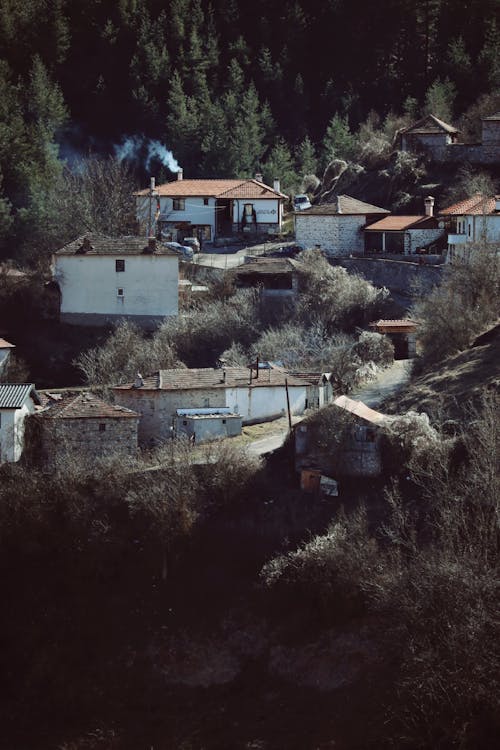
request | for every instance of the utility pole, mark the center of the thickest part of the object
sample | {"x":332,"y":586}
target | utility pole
{"x":288,"y":405}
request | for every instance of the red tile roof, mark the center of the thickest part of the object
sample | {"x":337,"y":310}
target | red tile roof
{"x":401,"y":223}
{"x":82,"y":406}
{"x":209,"y":377}
{"x":214,"y":189}
{"x":476,"y":205}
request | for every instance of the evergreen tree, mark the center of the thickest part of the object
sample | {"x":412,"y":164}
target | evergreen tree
{"x":440,"y":98}
{"x":338,"y":142}
{"x":279,"y":165}
{"x":306,"y":160}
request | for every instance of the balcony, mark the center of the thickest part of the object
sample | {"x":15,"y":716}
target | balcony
{"x":457,"y":239}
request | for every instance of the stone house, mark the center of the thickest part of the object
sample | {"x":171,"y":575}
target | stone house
{"x":106,"y":279}
{"x":428,"y":133}
{"x":475,"y":219}
{"x":359,"y":453}
{"x":5,"y":352}
{"x":209,"y":209}
{"x":256,"y":394}
{"x":406,"y":235}
{"x":83,"y":427}
{"x":337,"y":228}
{"x":17,"y":401}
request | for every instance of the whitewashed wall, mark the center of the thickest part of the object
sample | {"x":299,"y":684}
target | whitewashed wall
{"x":89,"y":285}
{"x":267,"y":211}
{"x":261,"y":403}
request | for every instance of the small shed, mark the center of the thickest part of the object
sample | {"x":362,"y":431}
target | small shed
{"x":402,"y":334}
{"x":203,"y":425}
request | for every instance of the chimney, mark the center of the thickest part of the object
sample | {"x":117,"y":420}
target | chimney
{"x":180,"y":174}
{"x":85,"y":246}
{"x":429,"y":206}
{"x":258,"y":176}
{"x":153,"y":184}
{"x":139,"y":381}
{"x":276,"y":185}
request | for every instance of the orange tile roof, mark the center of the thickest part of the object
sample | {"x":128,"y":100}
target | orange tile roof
{"x":215,"y":189}
{"x":397,"y":223}
{"x":478,"y":204}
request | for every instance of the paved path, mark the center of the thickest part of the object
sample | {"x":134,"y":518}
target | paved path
{"x":388,"y":381}
{"x":233,"y":256}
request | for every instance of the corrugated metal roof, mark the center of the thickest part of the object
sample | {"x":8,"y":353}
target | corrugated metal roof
{"x":99,"y":244}
{"x":361,"y":410}
{"x":14,"y":395}
{"x":214,"y":189}
{"x":342,"y":204}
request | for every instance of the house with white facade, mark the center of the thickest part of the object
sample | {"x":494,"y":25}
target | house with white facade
{"x":5,"y":351}
{"x":475,"y":219}
{"x":106,"y":279}
{"x":209,"y":209}
{"x":257,"y":394}
{"x":17,"y":401}
{"x":336,"y":227}
{"x":406,"y":235}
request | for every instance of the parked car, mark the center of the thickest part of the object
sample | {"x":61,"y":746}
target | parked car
{"x":185,"y":252}
{"x":301,"y":202}
{"x":192,"y":242}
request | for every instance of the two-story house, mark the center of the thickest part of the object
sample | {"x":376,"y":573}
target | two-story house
{"x":475,"y":219}
{"x":209,"y":209}
{"x":106,"y":279}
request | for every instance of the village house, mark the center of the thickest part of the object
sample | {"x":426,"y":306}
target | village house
{"x":406,"y":235}
{"x":209,"y":209}
{"x":358,"y":454}
{"x":402,"y":334}
{"x":83,"y":427}
{"x":441,"y":141}
{"x":17,"y":401}
{"x":257,"y":394}
{"x":5,"y":352}
{"x":337,"y":227}
{"x":105,"y":279}
{"x":475,"y":219}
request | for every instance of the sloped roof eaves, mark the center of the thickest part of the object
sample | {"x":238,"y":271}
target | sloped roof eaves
{"x":400,"y":223}
{"x":474,"y":206}
{"x":435,"y":126}
{"x":85,"y":406}
{"x":361,"y":410}
{"x":203,"y":378}
{"x":6,"y":344}
{"x":14,"y":395}
{"x":343,"y":205}
{"x":101,"y":245}
{"x":214,"y":188}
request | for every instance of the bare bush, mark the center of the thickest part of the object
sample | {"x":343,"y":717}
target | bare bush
{"x":374,"y":347}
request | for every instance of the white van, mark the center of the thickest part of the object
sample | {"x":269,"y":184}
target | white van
{"x":301,"y":202}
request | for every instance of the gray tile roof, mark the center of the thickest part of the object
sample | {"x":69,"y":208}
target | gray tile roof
{"x":342,"y":204}
{"x":98,"y":244}
{"x":82,"y":406}
{"x":13,"y":395}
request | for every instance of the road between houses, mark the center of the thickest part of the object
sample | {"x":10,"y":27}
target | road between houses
{"x":233,"y":256}
{"x":372,"y":393}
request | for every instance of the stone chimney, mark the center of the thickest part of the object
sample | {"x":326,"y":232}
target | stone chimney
{"x":259,"y":177}
{"x":276,"y":185}
{"x":429,"y":206}
{"x":153,"y":184}
{"x":180,"y":174}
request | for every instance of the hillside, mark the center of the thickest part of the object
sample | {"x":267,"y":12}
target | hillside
{"x":456,"y":380}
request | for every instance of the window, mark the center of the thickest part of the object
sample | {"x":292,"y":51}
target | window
{"x":179,"y":204}
{"x":119,"y":265}
{"x":206,"y":403}
{"x":205,"y":201}
{"x":102,"y":427}
{"x":120,"y":292}
{"x":223,"y":421}
{"x":184,"y":422}
{"x":248,"y":207}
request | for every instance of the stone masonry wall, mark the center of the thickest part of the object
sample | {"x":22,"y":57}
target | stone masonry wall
{"x":487,"y":153}
{"x":340,"y":235}
{"x":83,"y":438}
{"x":398,"y":276}
{"x":421,"y":237}
{"x":157,"y":408}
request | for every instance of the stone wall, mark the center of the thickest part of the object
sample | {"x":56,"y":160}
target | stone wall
{"x":486,"y":153}
{"x":421,"y":238}
{"x":341,"y":235}
{"x":398,"y":276}
{"x":158,"y":408}
{"x":85,"y":439}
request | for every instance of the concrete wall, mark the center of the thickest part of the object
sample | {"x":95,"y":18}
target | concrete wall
{"x":84,"y":440}
{"x":89,"y":285}
{"x":339,"y":235}
{"x":12,"y":422}
{"x":263,"y":403}
{"x":209,"y":428}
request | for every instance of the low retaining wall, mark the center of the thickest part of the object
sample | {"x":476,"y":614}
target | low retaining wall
{"x":398,"y":276}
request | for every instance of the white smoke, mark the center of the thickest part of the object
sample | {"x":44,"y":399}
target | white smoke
{"x":138,"y":148}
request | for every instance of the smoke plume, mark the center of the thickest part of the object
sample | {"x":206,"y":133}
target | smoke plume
{"x":139,"y":148}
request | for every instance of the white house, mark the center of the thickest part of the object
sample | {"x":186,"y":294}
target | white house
{"x":475,"y":219}
{"x":257,"y":395}
{"x":209,"y":209}
{"x":5,"y":351}
{"x":406,"y":235}
{"x":336,"y":227}
{"x":105,"y":279}
{"x":17,"y":401}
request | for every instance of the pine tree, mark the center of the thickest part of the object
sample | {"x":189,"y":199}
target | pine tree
{"x":338,"y":142}
{"x":306,"y":160}
{"x":279,"y":165}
